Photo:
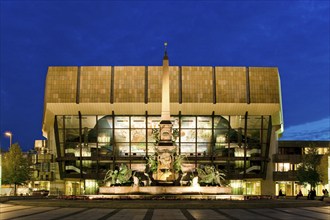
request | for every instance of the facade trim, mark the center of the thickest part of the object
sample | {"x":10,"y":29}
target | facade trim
{"x":146,"y":85}
{"x":112,"y":82}
{"x":180,"y":84}
{"x":248,"y":100}
{"x":214,"y":86}
{"x":78,"y":85}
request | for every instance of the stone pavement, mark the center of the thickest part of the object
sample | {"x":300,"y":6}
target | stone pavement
{"x":24,"y":212}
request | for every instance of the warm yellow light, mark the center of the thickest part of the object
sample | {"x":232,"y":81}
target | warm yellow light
{"x":8,"y":133}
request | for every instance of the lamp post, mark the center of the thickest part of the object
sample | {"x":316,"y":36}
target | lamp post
{"x":10,"y":135}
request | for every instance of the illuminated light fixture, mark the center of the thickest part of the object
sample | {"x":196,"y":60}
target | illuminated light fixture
{"x":10,"y":135}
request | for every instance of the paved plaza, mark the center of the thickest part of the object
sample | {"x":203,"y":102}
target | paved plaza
{"x":25,"y":212}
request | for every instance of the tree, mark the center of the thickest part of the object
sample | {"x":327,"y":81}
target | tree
{"x":308,"y":171}
{"x":15,"y":168}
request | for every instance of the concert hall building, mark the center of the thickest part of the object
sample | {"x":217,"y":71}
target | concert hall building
{"x":98,"y":117}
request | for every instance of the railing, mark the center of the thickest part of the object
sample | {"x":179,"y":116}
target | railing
{"x":287,"y":158}
{"x":285,"y":176}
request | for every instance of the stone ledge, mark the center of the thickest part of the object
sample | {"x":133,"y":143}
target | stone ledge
{"x":159,"y":190}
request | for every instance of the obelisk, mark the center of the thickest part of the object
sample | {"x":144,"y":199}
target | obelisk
{"x":165,"y":148}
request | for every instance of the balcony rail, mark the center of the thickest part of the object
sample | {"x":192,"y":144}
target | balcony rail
{"x":287,"y":158}
{"x":285,"y":176}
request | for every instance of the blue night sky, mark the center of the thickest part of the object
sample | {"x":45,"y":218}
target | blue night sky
{"x":292,"y":35}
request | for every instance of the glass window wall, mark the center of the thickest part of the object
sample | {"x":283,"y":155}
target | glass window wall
{"x":132,"y":136}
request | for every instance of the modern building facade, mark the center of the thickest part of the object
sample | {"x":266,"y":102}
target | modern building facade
{"x":43,"y":166}
{"x":289,"y":157}
{"x":98,"y":117}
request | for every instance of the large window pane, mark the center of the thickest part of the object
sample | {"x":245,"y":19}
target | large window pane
{"x":105,"y":135}
{"x":123,"y":150}
{"x":221,"y":122}
{"x":237,"y":121}
{"x":72,"y":135}
{"x":188,"y":122}
{"x":121,"y":122}
{"x":188,"y":135}
{"x":138,"y":122}
{"x":138,"y":149}
{"x":175,"y":122}
{"x":253,"y":135}
{"x":203,"y":149}
{"x":104,"y":121}
{"x":60,"y":121}
{"x":188,"y":149}
{"x":105,"y":149}
{"x":138,"y":135}
{"x":60,"y":135}
{"x":151,"y":137}
{"x":71,"y":122}
{"x":254,"y":122}
{"x":204,"y":122}
{"x":153,"y":122}
{"x":204,"y":135}
{"x":121,"y":135}
{"x":151,"y":149}
{"x":88,"y":121}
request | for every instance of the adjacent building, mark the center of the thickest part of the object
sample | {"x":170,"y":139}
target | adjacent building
{"x":289,"y":157}
{"x":43,"y":166}
{"x":98,"y":117}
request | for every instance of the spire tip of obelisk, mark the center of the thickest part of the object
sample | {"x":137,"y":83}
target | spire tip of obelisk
{"x":165,"y":54}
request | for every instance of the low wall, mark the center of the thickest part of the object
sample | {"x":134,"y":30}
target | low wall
{"x":158,"y":190}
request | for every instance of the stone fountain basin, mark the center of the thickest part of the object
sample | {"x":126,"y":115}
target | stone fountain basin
{"x":158,"y":190}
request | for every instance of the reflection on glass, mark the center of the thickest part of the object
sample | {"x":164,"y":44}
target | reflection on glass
{"x":138,"y":149}
{"x":60,"y":121}
{"x":138,"y":135}
{"x":188,"y":135}
{"x":203,"y":149}
{"x":221,"y":122}
{"x":188,"y":149}
{"x":121,"y":122}
{"x":104,"y":122}
{"x":60,"y":135}
{"x":105,"y":149}
{"x":204,"y":122}
{"x":71,"y":121}
{"x":175,"y":122}
{"x":121,"y":135}
{"x":72,"y":135}
{"x":153,"y":122}
{"x":123,"y":150}
{"x":151,"y":149}
{"x":151,"y":137}
{"x":138,"y":122}
{"x":237,"y":121}
{"x":188,"y":122}
{"x":88,"y":121}
{"x":204,"y":135}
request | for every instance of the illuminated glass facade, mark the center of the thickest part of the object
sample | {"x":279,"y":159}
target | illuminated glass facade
{"x":91,"y":145}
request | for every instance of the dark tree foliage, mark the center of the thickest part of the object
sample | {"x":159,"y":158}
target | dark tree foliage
{"x":308,"y":171}
{"x":15,"y":167}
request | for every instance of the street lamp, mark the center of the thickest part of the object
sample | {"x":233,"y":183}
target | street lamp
{"x":10,"y":135}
